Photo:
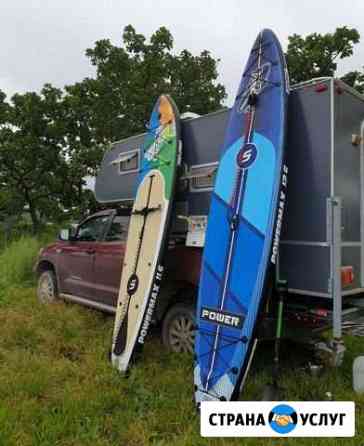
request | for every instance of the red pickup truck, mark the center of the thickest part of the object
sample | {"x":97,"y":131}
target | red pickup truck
{"x":84,"y":266}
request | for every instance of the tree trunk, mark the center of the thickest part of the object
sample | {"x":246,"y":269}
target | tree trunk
{"x":34,"y":218}
{"x":32,"y":212}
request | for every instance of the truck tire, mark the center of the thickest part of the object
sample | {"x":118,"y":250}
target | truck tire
{"x":178,"y":328}
{"x":47,"y":287}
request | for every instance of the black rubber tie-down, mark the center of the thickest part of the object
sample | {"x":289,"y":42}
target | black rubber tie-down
{"x":234,"y":221}
{"x":145,"y":211}
{"x":252,"y":99}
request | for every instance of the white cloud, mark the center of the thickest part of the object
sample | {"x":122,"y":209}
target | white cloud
{"x":45,"y":41}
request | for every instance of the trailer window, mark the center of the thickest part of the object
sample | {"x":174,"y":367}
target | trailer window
{"x":202,"y":178}
{"x":127,"y":162}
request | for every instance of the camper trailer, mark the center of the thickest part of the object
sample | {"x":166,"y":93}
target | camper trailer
{"x":322,"y":239}
{"x":325,"y":163}
{"x":321,"y":250}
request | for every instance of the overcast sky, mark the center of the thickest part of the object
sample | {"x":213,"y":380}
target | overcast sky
{"x":45,"y":41}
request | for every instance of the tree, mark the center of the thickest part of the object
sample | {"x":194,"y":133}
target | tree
{"x":50,"y":141}
{"x":35,"y":171}
{"x":316,"y":55}
{"x":117,"y":103}
{"x":85,"y":136}
{"x":355,"y":79}
{"x":130,"y":78}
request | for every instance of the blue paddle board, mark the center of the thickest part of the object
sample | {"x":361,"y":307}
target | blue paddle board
{"x":244,"y":224}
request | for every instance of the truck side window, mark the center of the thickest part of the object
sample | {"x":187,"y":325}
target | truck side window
{"x":118,"y":231}
{"x":92,"y":230}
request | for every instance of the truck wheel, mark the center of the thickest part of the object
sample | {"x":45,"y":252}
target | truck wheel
{"x":47,"y":287}
{"x":178,"y":329}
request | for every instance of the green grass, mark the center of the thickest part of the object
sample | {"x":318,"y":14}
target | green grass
{"x":17,"y":260}
{"x":57,"y":387}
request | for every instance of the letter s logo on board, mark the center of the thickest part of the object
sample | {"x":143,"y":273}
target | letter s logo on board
{"x":246,"y":155}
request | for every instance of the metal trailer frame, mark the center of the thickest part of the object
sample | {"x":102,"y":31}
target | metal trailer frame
{"x":333,"y":196}
{"x":336,"y":235}
{"x":202,"y":138}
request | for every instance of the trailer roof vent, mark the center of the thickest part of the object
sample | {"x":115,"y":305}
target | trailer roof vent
{"x":202,"y":177}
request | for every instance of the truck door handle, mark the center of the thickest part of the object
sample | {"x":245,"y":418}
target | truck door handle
{"x":90,"y":251}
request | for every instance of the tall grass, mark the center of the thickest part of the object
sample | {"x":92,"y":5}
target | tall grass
{"x":17,"y":260}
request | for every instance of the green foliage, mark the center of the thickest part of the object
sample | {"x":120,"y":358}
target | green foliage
{"x":16,"y":262}
{"x":50,"y":141}
{"x":131,"y":77}
{"x":35,"y":172}
{"x":355,"y":79}
{"x":316,"y":55}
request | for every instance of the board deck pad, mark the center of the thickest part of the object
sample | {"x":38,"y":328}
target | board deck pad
{"x":243,"y":225}
{"x":142,"y":265}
